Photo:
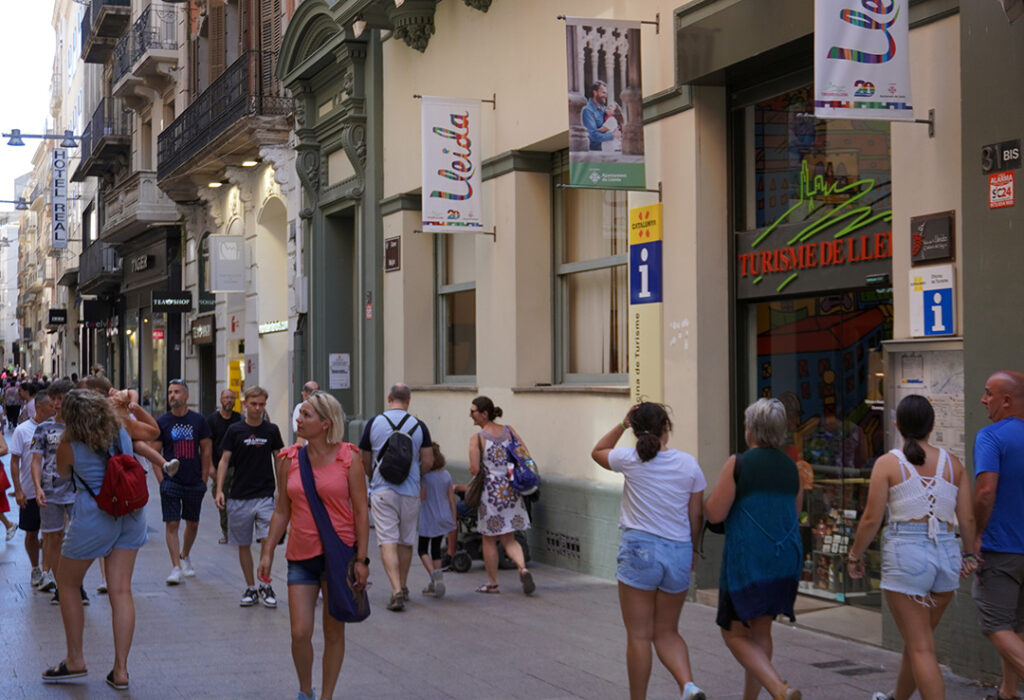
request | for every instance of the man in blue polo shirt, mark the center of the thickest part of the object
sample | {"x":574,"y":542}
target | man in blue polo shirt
{"x":185,"y":436}
{"x":396,"y":507}
{"x":998,"y":502}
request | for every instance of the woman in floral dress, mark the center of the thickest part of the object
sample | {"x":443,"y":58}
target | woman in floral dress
{"x":501,"y":511}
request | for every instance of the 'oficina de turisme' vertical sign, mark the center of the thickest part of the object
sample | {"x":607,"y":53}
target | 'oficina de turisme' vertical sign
{"x":452,"y":192}
{"x":59,"y":199}
{"x":861,"y":60}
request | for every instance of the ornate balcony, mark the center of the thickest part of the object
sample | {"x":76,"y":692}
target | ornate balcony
{"x":99,"y":269}
{"x":241,"y":111}
{"x":102,"y":23}
{"x":105,"y":140}
{"x":134,"y":206}
{"x":145,"y":54}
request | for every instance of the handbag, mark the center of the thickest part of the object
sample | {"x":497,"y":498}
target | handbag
{"x":524,"y":477}
{"x":345,"y":602}
{"x":475,"y":490}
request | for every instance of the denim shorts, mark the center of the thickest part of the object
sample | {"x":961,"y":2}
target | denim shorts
{"x":916,"y":565}
{"x":649,"y":562}
{"x":307,"y":572}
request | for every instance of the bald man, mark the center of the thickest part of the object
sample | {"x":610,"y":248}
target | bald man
{"x":998,"y":502}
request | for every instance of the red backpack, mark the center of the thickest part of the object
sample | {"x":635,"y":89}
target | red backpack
{"x":124,"y":488}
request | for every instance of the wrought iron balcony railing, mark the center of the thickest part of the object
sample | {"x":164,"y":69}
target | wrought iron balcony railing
{"x":246,"y":88}
{"x":154,"y":29}
{"x":107,"y":136}
{"x":102,"y":22}
{"x":98,"y":264}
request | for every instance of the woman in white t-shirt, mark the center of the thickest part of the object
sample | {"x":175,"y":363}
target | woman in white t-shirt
{"x":661,"y":507}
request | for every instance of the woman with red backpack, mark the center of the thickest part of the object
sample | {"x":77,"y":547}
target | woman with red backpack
{"x":92,"y":433}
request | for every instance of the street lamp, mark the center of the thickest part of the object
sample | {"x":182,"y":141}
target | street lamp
{"x":20,"y":204}
{"x":68,"y":138}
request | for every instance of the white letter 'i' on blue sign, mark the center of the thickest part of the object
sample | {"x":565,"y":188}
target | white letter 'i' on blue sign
{"x":937,"y":325}
{"x":645,"y":290}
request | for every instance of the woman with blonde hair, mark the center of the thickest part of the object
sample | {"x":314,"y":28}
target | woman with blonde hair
{"x":758,"y":496}
{"x":341,"y":485}
{"x":92,"y":432}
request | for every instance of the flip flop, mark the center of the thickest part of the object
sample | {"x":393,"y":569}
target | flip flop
{"x":526,"y":578}
{"x":487,"y":588}
{"x":61,"y":672}
{"x":114,"y":684}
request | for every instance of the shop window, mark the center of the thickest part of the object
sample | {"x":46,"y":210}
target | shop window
{"x":456,"y":308}
{"x":591,"y":282}
{"x":813,"y":269}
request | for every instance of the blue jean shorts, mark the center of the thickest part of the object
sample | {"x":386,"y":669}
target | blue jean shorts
{"x":916,"y":565}
{"x":307,"y":572}
{"x":649,"y":562}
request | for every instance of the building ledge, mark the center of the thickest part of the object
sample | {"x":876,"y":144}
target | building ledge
{"x":610,"y":389}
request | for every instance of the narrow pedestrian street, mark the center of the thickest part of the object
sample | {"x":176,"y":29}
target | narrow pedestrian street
{"x":567,"y":641}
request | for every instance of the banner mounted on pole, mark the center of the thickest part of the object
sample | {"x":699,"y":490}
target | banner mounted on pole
{"x":227,"y":263}
{"x":606,"y":129}
{"x":861,"y":60}
{"x":59,"y":199}
{"x":452,"y":192}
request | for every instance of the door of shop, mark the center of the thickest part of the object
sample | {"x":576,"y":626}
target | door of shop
{"x":822,"y":357}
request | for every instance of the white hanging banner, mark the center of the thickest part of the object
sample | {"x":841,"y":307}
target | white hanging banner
{"x":452,"y":201}
{"x":227,"y":263}
{"x":59,"y":199}
{"x":861,"y":60}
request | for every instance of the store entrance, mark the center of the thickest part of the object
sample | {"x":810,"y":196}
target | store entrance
{"x":822,"y":357}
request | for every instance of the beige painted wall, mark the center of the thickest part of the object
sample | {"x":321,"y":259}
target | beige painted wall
{"x":926,"y":171}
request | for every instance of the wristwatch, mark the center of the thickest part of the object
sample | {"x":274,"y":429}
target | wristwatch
{"x":364,"y":560}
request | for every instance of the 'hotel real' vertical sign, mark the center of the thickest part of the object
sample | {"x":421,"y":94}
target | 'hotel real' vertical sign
{"x":59,"y":199}
{"x":646,"y":346}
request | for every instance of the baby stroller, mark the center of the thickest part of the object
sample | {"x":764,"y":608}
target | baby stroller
{"x":469,"y":542}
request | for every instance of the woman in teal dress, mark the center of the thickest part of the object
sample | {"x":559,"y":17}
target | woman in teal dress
{"x":758,"y":496}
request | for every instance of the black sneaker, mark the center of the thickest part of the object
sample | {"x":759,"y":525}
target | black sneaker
{"x":267,"y":596}
{"x":85,"y":597}
{"x":55,"y":600}
{"x":249,"y":598}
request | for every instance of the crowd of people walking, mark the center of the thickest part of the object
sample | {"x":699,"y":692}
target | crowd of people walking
{"x":320,"y":493}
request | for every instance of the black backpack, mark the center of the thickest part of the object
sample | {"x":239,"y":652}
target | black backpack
{"x":395,"y":457}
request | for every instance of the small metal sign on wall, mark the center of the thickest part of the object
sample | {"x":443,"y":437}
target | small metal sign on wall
{"x":932,"y":238}
{"x":392,"y":254}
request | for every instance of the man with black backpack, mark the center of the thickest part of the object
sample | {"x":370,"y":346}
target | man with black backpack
{"x":396,"y":448}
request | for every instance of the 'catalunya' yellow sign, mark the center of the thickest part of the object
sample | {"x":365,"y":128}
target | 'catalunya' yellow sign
{"x":646,"y":357}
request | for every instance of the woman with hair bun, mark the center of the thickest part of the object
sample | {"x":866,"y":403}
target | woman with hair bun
{"x":758,"y":497}
{"x":926,"y":493}
{"x":661,"y":510}
{"x":501,"y":511}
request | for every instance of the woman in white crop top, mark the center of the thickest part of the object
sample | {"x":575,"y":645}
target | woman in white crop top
{"x":927,"y":493}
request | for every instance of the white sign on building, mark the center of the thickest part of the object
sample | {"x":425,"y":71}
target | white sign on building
{"x":59,"y":199}
{"x":932,"y":301}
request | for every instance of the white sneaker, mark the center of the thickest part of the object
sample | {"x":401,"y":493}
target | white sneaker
{"x":171,"y":468}
{"x":437,"y":579}
{"x":12,"y":530}
{"x":186,"y":567}
{"x":37,"y":577}
{"x":249,"y":598}
{"x":175,"y":577}
{"x":692,"y":692}
{"x":882,"y":696}
{"x":47,"y":583}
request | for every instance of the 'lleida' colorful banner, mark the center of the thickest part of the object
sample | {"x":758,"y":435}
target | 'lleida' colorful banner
{"x":861,"y":59}
{"x":451,"y":166}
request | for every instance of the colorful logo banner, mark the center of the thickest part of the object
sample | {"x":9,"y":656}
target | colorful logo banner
{"x":861,"y":60}
{"x":452,"y":192}
{"x":606,"y":131}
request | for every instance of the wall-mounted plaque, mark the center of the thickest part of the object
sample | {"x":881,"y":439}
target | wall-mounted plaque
{"x":932,"y":238}
{"x":392,"y":254}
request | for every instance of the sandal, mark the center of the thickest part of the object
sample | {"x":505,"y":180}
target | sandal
{"x":61,"y":672}
{"x":114,"y":684}
{"x":487,"y":588}
{"x":526,"y":578}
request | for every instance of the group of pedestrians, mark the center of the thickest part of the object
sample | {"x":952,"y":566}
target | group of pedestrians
{"x":758,"y":499}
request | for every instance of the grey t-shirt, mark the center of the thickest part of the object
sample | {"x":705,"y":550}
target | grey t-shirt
{"x":44,"y":442}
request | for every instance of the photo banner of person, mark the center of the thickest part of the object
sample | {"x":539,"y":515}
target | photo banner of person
{"x":606,"y":129}
{"x":862,"y":60}
{"x":452,"y":192}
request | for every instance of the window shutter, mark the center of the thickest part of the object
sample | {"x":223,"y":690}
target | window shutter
{"x":270,"y":45}
{"x":218,"y":39}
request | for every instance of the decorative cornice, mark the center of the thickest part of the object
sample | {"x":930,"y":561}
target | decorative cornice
{"x":482,"y":5}
{"x":413,"y":22}
{"x":516,"y":161}
{"x":667,"y":102}
{"x":404,"y":201}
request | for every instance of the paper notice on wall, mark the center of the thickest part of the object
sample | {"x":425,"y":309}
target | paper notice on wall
{"x":340,"y":374}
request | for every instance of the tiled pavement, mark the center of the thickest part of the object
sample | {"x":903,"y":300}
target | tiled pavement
{"x":567,"y":641}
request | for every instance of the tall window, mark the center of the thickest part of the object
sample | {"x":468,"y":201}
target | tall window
{"x":456,"y":308}
{"x":591,"y":281}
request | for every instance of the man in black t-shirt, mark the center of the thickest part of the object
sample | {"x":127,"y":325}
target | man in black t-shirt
{"x":250,"y":447}
{"x":219,"y":421}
